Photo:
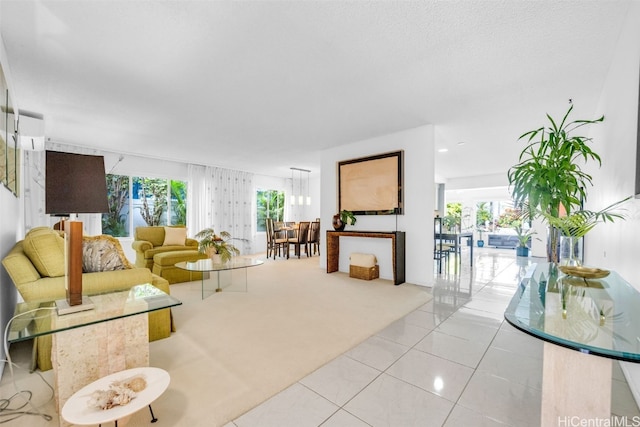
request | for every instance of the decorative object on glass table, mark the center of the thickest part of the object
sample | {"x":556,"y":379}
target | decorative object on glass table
{"x":216,"y":244}
{"x":584,"y":272}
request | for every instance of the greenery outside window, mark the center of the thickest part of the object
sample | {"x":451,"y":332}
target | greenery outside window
{"x":178,"y":200}
{"x":140,"y":201}
{"x":453,"y":218}
{"x":150,"y":201}
{"x":116,"y":222}
{"x":270,"y":204}
{"x":484,"y":215}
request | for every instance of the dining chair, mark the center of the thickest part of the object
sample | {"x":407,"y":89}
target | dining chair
{"x":300,"y":238}
{"x":276,"y":241}
{"x":313,"y":242}
{"x":270,"y":237}
{"x":291,"y":229}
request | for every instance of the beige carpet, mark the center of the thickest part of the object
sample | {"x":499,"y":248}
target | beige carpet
{"x":234,"y":350}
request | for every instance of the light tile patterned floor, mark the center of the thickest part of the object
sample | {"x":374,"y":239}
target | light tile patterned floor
{"x":453,"y":362}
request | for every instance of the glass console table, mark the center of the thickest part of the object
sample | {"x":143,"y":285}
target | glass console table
{"x":91,"y":344}
{"x":35,"y":319}
{"x":584,"y":323}
{"x":207,"y":266}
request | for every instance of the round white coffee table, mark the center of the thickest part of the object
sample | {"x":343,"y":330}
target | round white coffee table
{"x":76,"y":411}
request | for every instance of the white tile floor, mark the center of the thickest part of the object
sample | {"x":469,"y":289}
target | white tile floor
{"x":452,"y":362}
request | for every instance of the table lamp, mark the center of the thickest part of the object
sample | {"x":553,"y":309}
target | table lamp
{"x":75,"y":183}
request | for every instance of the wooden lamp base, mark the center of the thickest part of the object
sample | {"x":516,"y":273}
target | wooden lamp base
{"x":75,"y":301}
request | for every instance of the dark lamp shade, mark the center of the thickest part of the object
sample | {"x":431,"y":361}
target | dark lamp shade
{"x":75,"y":183}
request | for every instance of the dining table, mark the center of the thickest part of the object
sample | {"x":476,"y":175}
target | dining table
{"x":456,"y":238}
{"x":285,"y":229}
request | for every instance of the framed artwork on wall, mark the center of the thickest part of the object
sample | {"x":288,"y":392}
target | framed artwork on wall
{"x":12,"y":148}
{"x":4,"y":94}
{"x":637,"y":187}
{"x":372,"y":185}
{"x":9,"y":147}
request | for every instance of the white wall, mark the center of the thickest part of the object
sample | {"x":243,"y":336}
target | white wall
{"x":10,"y":226}
{"x":499,"y":180}
{"x":615,"y":246}
{"x":419,"y":196}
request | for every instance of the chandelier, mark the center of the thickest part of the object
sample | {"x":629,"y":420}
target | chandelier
{"x":300,"y":199}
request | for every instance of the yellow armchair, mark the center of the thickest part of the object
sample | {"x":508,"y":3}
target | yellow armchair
{"x":152,"y":240}
{"x":36,"y":267}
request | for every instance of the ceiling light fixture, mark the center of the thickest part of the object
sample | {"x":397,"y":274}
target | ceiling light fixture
{"x":308,"y":194}
{"x":300,"y":197}
{"x":443,"y":150}
{"x":292,"y":198}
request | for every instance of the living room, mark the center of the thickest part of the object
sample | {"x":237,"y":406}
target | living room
{"x":612,"y":246}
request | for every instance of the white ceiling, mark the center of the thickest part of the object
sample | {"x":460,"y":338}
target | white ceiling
{"x":264,"y":85}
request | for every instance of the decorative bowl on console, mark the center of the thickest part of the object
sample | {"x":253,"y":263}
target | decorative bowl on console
{"x":342,"y":219}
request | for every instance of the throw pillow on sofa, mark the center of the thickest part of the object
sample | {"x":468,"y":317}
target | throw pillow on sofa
{"x":102,"y":253}
{"x":45,"y":249}
{"x":175,"y":236}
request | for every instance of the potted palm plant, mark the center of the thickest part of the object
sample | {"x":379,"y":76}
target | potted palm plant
{"x":578,"y":224}
{"x":549,"y":174}
{"x":213,"y":244}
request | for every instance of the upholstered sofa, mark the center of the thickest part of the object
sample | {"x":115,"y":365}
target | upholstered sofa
{"x":36,"y":267}
{"x":160,"y":248}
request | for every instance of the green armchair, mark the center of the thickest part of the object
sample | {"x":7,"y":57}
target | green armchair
{"x":152,"y":240}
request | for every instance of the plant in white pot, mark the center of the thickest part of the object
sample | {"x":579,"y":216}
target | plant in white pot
{"x":213,"y":244}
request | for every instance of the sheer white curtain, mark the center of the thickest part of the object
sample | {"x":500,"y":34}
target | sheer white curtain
{"x":34,"y":194}
{"x":222,"y":199}
{"x":198,"y":199}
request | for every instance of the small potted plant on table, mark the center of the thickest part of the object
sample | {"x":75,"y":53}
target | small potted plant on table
{"x":342,"y":219}
{"x":216,"y":246}
{"x":524,"y":235}
{"x":480,"y":239}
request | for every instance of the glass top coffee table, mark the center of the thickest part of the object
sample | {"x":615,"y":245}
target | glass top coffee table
{"x":208,"y":266}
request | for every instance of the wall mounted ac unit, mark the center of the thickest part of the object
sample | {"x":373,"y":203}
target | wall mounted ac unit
{"x":31,"y":130}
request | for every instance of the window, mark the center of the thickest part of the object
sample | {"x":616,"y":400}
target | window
{"x":270,"y":204}
{"x":141,"y":201}
{"x":149,"y":201}
{"x":116,"y":222}
{"x":484,"y":215}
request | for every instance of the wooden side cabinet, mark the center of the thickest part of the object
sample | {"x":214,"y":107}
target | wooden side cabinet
{"x":397,"y":249}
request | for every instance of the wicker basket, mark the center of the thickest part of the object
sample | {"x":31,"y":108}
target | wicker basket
{"x":365,"y":273}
